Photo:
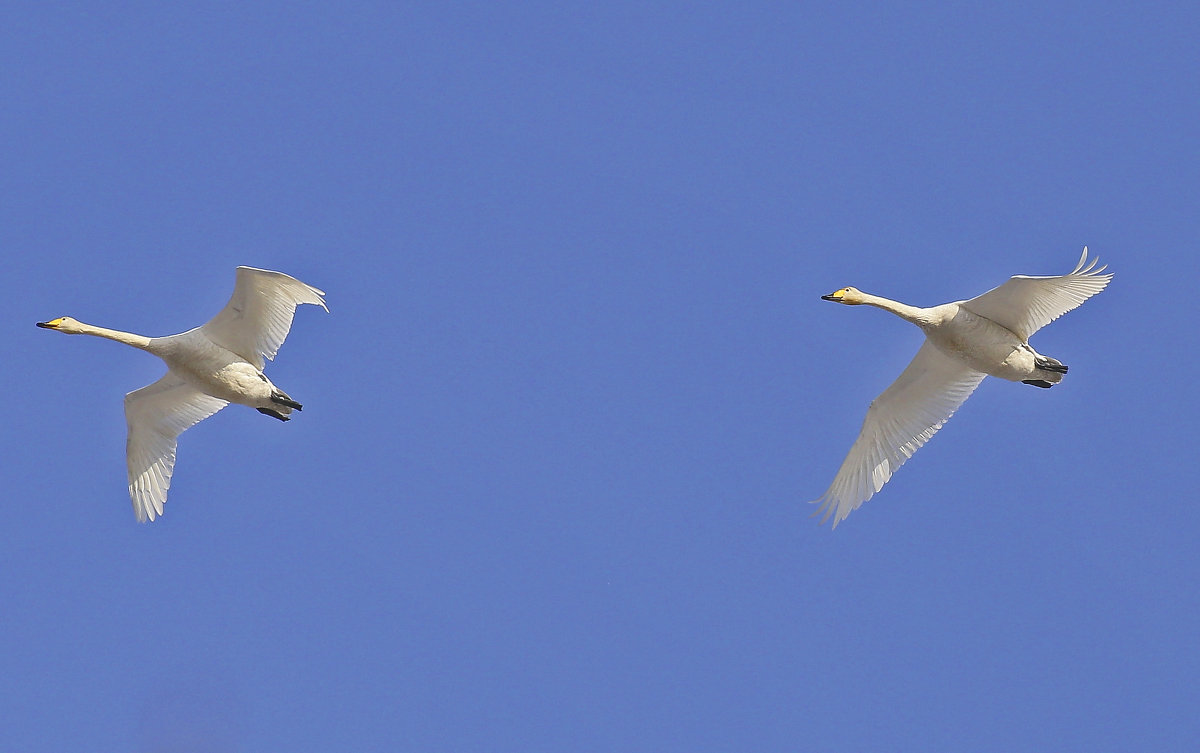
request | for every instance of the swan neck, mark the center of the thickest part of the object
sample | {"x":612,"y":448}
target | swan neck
{"x":914,"y":314}
{"x":129,"y":338}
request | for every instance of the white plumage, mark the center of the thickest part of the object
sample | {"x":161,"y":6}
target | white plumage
{"x":965,"y":341}
{"x":208,"y":367}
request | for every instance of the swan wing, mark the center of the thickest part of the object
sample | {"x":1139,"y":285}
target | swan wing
{"x":157,"y":414}
{"x":258,"y":317}
{"x":1025,"y":304}
{"x":898,"y":423}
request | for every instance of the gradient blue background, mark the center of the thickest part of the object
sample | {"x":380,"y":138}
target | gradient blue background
{"x":548,"y":492}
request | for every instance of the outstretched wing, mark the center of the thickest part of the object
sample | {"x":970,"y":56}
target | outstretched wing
{"x":1025,"y":304}
{"x":258,"y":317}
{"x":898,"y":423}
{"x":157,"y":414}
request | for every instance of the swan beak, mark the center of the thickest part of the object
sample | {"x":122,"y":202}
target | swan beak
{"x":835,"y":296}
{"x":52,"y":324}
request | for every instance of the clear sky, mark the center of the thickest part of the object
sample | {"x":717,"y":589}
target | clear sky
{"x":550,"y":488}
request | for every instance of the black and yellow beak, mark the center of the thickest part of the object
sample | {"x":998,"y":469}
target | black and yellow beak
{"x":835,"y":296}
{"x":52,"y":324}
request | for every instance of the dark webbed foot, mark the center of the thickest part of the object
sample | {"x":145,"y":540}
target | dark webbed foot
{"x":1050,"y":364}
{"x":274,"y":413}
{"x":1035,"y":382}
{"x":283,"y":399}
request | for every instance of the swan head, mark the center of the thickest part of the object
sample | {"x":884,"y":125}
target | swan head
{"x":63,"y":324}
{"x":848,"y":296}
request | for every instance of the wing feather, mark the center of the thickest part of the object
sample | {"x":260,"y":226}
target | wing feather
{"x":157,"y":414}
{"x":1025,"y":304}
{"x":898,"y":423}
{"x":259,"y":314}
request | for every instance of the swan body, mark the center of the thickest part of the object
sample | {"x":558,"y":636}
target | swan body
{"x":964,"y":342}
{"x":208,"y":367}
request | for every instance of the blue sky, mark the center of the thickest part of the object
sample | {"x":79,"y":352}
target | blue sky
{"x":576,"y":386}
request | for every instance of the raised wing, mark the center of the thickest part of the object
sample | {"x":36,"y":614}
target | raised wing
{"x":258,"y":317}
{"x":898,"y":423}
{"x":1025,"y":304}
{"x":157,"y":414}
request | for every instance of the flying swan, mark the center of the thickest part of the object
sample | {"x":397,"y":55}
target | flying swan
{"x":964,"y":342}
{"x":207,"y":368}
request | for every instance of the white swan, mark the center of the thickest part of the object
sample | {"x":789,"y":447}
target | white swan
{"x":964,"y":342}
{"x":207,"y":368}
